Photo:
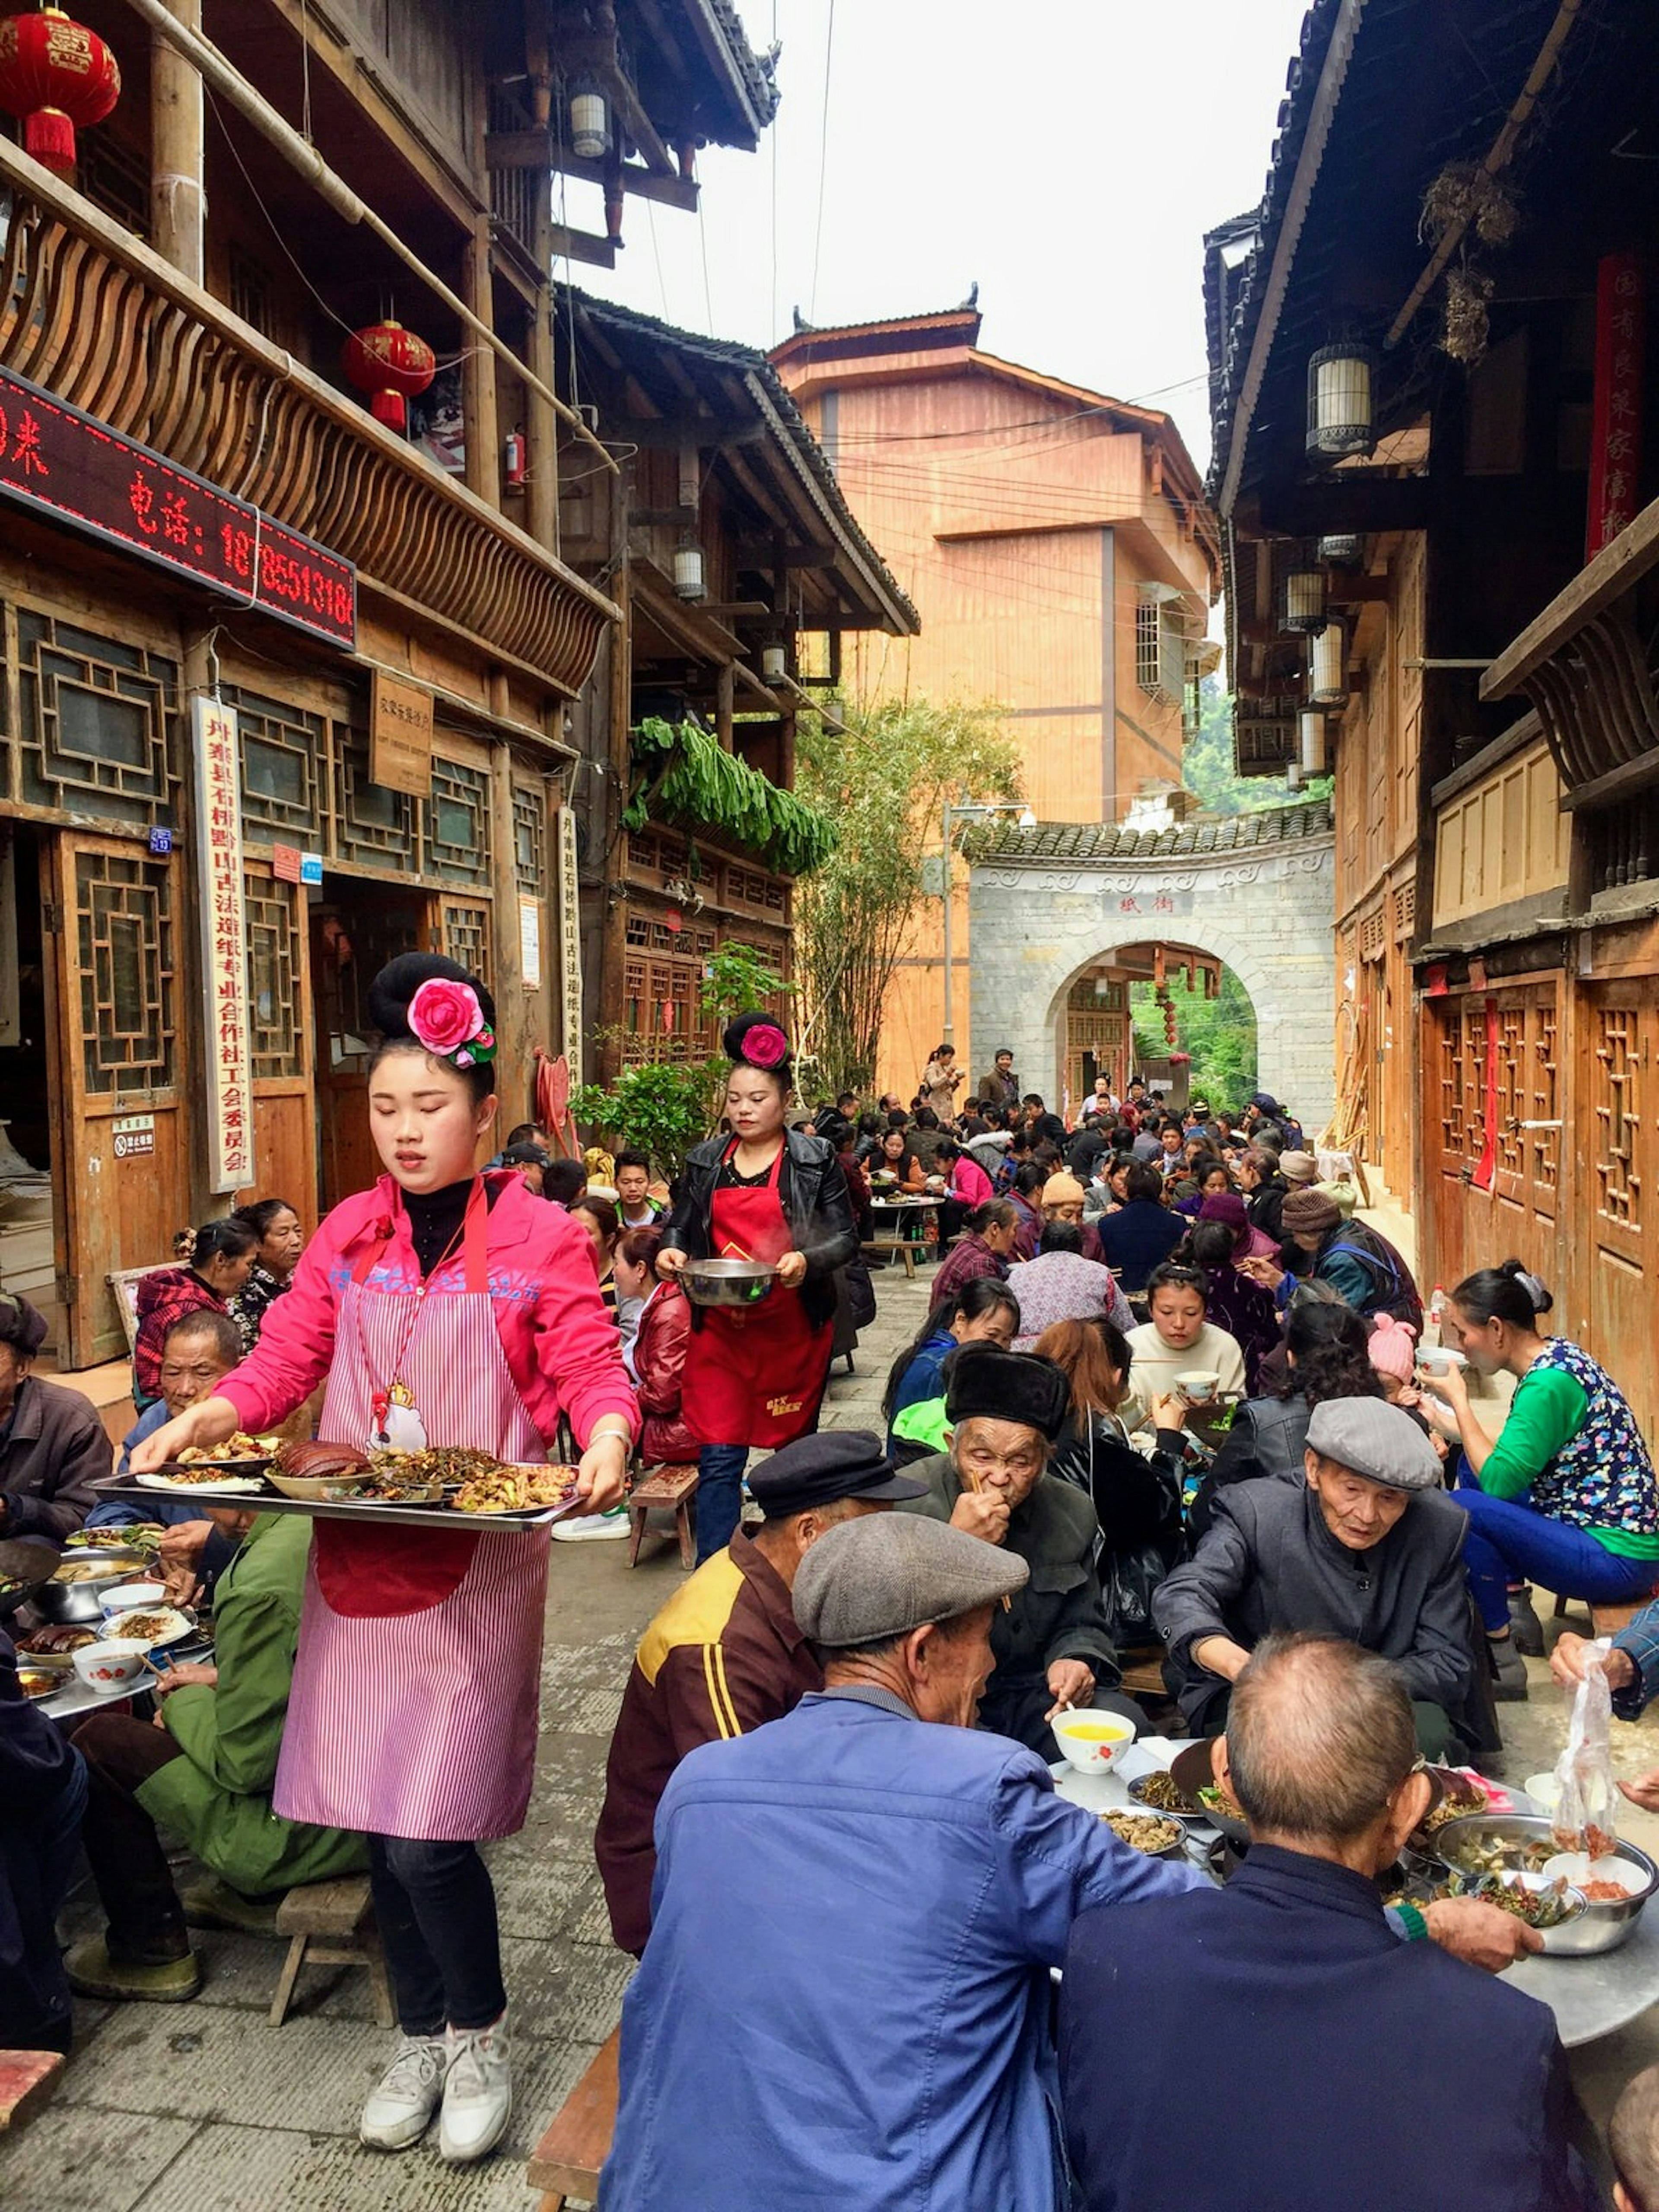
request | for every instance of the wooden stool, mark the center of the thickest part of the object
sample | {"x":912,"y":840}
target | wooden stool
{"x":566,"y":2162}
{"x":672,"y":1489}
{"x":331,"y":1924}
{"x":28,"y":2079}
{"x":905,"y":1252}
{"x":1143,"y":1674}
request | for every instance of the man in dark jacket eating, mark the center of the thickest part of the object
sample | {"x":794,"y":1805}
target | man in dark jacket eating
{"x":1371,"y":1550}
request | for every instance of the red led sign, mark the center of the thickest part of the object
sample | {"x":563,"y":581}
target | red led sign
{"x":69,"y":465}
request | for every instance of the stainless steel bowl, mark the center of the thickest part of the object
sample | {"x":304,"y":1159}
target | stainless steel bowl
{"x":1603,"y":1926}
{"x":75,"y":1603}
{"x":728,"y":1282}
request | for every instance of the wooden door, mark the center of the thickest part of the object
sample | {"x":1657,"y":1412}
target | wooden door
{"x":354,"y":933}
{"x":1613,"y":1310}
{"x":280,"y":1042}
{"x":113,"y":925}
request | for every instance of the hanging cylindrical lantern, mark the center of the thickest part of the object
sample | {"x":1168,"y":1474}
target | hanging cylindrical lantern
{"x":1341,"y":412}
{"x":56,"y":74}
{"x":688,"y":570}
{"x":589,"y":120}
{"x":1343,"y":552}
{"x":775,"y":663}
{"x":1328,"y":667}
{"x":1311,"y":733}
{"x":1302,"y":594}
{"x":392,"y":366}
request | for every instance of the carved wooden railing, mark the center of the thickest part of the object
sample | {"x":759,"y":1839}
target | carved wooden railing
{"x":1585,"y":663}
{"x":104,"y":323}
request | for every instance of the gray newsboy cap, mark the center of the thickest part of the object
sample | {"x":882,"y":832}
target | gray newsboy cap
{"x":1369,"y":1436}
{"x":887,"y":1573}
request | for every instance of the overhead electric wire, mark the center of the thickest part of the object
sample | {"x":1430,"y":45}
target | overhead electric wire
{"x":823,"y":155}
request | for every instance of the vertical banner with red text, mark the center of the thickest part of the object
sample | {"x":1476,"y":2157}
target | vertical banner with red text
{"x":224,"y":945}
{"x":1616,"y":422}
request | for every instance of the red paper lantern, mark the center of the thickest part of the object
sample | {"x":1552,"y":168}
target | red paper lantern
{"x":55,"y":74}
{"x":393,"y":366}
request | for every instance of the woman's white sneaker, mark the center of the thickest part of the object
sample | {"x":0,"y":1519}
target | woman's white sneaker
{"x":401,"y":2104}
{"x":477,"y":2093}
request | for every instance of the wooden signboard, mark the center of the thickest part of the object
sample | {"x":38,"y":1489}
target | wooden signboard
{"x":224,"y":945}
{"x":400,"y":735}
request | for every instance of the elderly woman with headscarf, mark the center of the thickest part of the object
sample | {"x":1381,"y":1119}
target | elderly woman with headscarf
{"x":52,"y":1444}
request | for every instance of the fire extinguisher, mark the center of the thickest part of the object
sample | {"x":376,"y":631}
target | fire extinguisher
{"x":515,"y":457}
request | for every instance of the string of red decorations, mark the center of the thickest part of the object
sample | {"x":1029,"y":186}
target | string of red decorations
{"x":55,"y":74}
{"x":393,"y":366}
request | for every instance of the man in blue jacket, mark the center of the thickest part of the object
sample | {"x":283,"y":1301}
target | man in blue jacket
{"x":843,"y":2003}
{"x":1344,"y":2067}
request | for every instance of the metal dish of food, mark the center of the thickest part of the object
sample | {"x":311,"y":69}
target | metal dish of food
{"x":37,"y":1682}
{"x":1519,"y":1843}
{"x":200,"y":1481}
{"x":1161,"y":1793}
{"x":238,"y":1454}
{"x":76,"y":1592}
{"x":728,"y":1282}
{"x":151,"y":1626}
{"x":25,"y":1563}
{"x":1153,"y":1833}
{"x":438,"y":1512}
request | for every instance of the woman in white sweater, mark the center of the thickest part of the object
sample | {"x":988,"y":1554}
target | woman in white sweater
{"x":1178,"y":1339}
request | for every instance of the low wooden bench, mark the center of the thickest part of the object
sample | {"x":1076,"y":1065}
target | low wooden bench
{"x":1143,"y":1674}
{"x":27,"y":2080}
{"x":330,"y":1924}
{"x":885,"y":1245}
{"x":566,"y":2162}
{"x":668,"y":1490}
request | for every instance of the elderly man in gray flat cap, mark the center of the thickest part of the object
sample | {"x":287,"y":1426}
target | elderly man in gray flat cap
{"x":1371,"y":1550}
{"x":844,"y":1998}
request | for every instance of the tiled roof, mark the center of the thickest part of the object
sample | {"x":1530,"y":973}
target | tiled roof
{"x":755,"y":69}
{"x":1069,"y":841}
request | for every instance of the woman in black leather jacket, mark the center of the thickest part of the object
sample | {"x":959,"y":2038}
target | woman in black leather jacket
{"x":755,"y":1376}
{"x":1325,"y":1346}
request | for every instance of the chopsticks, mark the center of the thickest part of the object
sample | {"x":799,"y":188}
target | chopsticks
{"x":973,"y":1483}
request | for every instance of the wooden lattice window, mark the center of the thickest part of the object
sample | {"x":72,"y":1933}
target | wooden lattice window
{"x":371,"y":823}
{"x":1545,"y":1145}
{"x":1613,"y":1072}
{"x":1512,"y":1101}
{"x":285,"y":770}
{"x":456,"y":824}
{"x":530,"y":841}
{"x":637,"y":930}
{"x":97,"y":722}
{"x":1405,"y":911}
{"x":273,"y":977}
{"x":466,"y":935}
{"x":1451,"y":1085}
{"x":124,"y":938}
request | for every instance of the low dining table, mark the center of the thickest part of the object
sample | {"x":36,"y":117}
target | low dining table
{"x":1590,"y":1996}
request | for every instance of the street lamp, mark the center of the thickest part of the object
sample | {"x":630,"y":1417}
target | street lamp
{"x":966,"y":810}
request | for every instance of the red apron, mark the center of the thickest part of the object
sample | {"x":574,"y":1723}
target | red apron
{"x":755,"y":1378}
{"x":415,"y":1684}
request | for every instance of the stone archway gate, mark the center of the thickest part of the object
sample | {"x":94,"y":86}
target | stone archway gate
{"x":1255,"y":890}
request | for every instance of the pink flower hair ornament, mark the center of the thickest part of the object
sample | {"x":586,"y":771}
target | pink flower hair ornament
{"x":446,"y":1020}
{"x":765,"y":1046}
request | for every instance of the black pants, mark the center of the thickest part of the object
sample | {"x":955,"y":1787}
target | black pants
{"x":437,"y":1909}
{"x":130,"y":1868}
{"x":952,"y":1215}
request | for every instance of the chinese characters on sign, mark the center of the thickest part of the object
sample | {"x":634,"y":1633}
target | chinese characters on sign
{"x":570,"y":952}
{"x":400,"y":735}
{"x":75,"y":469}
{"x":134,"y":1137}
{"x":1616,"y":422}
{"x":224,"y":945}
{"x":1148,"y":902}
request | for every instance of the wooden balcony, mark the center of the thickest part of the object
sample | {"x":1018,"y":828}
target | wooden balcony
{"x":99,"y":321}
{"x":1584,"y":663}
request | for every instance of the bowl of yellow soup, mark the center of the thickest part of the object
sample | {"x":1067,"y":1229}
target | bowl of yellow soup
{"x":1091,"y":1740}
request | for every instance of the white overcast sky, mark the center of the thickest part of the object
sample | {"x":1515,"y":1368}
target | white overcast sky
{"x":1068,"y":154}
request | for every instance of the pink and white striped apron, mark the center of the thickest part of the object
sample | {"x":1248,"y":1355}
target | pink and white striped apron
{"x":416,"y":1682}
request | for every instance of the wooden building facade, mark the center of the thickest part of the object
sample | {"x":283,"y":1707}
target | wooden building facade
{"x":1491,"y":551}
{"x":176,"y":310}
{"x":1058,"y":545}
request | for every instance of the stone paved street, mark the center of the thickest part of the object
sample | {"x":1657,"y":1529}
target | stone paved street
{"x":206,"y":2108}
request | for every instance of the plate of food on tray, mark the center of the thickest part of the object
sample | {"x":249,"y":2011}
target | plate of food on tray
{"x":150,"y":1625}
{"x":1155,"y":1833}
{"x":517,"y":1490}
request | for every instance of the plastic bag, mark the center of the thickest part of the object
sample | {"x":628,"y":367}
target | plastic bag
{"x":1587,"y":1802}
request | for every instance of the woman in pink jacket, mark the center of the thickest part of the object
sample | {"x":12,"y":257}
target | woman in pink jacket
{"x":968,"y":1186}
{"x":443,"y":1308}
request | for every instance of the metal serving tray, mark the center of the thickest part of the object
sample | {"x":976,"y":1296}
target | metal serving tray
{"x":270,"y":1500}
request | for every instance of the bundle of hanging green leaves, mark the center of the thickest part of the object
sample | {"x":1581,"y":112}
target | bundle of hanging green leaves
{"x":682,"y":775}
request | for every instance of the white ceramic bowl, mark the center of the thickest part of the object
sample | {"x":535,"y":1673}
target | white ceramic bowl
{"x":1440,"y":1359}
{"x":1091,"y":1740}
{"x":1199,"y":1385}
{"x":130,"y":1596}
{"x":109,"y":1666}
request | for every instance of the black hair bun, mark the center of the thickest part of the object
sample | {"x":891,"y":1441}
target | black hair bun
{"x":1532,"y":1286}
{"x":736,"y":1039}
{"x":389,"y":994}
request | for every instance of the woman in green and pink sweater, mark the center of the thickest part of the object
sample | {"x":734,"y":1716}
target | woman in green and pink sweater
{"x":1566,"y":1497}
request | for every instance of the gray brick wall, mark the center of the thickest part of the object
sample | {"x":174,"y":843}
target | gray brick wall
{"x":1267,"y":914}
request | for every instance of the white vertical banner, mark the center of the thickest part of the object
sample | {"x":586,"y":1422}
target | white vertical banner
{"x":224,"y":945}
{"x":570,"y":945}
